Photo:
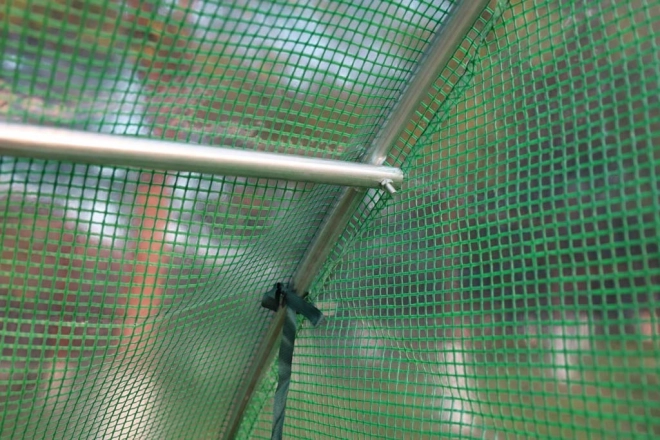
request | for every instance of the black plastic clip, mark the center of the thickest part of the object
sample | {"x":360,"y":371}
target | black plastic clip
{"x":282,"y":295}
{"x":272,"y":300}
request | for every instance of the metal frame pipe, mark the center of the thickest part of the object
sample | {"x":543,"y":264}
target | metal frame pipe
{"x":438,"y":55}
{"x":105,"y":149}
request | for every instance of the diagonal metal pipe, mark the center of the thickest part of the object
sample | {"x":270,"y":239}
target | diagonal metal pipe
{"x":438,"y":55}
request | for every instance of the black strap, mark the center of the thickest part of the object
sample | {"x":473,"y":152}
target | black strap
{"x":285,"y":296}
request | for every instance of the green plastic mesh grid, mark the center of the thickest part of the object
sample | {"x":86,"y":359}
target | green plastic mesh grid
{"x":510,"y":289}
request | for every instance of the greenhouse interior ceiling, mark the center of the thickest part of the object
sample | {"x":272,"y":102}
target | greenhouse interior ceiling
{"x":348,"y":219}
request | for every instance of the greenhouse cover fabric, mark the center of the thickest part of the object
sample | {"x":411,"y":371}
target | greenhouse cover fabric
{"x":130,"y":298}
{"x":510,"y":289}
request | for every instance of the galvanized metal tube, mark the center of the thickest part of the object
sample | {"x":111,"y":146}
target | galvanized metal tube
{"x":442,"y":48}
{"x":105,"y":149}
{"x":439,"y":53}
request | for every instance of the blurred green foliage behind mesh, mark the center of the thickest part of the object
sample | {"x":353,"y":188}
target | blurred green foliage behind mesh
{"x":510,"y":290}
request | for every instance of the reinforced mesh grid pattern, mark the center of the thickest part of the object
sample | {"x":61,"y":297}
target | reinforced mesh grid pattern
{"x":313,"y":78}
{"x":129,"y":299}
{"x":510,"y":290}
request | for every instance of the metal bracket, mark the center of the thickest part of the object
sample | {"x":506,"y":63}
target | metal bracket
{"x":388,"y":185}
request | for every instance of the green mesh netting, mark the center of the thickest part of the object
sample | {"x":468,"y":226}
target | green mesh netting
{"x":510,"y":289}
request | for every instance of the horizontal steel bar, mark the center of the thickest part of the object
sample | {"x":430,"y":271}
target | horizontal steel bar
{"x":105,"y":149}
